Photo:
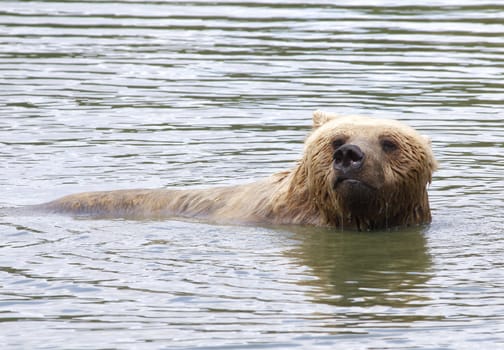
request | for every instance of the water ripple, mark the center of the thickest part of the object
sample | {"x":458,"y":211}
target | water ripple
{"x":99,"y":95}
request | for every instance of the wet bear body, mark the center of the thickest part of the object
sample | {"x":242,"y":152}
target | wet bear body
{"x":355,"y":173}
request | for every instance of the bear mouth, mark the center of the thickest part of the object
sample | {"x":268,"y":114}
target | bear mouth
{"x":352,"y":182}
{"x":356,"y":197}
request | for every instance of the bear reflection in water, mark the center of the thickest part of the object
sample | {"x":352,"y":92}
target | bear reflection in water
{"x":355,"y":173}
{"x":363,"y":270}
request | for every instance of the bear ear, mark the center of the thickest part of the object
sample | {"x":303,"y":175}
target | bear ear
{"x":427,"y":139}
{"x":321,"y":117}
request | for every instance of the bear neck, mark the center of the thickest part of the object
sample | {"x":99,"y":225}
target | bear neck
{"x":414,"y":211}
{"x":296,"y":202}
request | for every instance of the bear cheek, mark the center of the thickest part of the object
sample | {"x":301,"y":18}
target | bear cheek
{"x":403,"y":175}
{"x":319,"y":170}
{"x":396,"y":179}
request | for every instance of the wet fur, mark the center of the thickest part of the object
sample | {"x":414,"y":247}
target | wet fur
{"x":390,"y":191}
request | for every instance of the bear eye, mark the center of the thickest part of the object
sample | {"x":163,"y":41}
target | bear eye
{"x":338,"y":143}
{"x":388,"y":145}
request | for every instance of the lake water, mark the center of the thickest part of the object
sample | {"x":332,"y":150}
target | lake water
{"x":125,"y":94}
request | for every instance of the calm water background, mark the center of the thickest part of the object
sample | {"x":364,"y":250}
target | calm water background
{"x":127,"y":94}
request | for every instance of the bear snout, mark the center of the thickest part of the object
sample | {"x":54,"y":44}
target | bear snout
{"x":348,"y":158}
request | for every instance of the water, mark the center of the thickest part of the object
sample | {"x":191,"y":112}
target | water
{"x":124,"y":94}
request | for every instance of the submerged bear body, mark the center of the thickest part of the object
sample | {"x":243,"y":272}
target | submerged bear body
{"x":355,"y":173}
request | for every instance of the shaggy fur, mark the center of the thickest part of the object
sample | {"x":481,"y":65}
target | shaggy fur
{"x":384,"y":187}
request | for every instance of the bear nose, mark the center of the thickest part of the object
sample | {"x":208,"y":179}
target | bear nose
{"x":348,"y":157}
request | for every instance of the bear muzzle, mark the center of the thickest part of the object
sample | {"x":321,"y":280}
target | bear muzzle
{"x":348,"y":164}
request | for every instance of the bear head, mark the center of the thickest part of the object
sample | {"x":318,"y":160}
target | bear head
{"x":368,"y":173}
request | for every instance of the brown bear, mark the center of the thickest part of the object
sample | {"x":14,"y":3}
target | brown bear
{"x":356,"y":173}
